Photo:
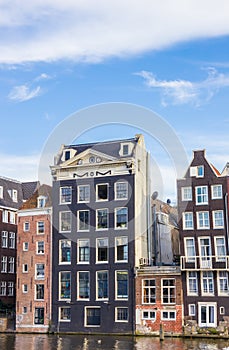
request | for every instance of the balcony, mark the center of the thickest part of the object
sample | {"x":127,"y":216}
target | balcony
{"x":198,"y":263}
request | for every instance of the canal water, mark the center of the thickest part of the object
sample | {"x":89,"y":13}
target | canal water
{"x":79,"y":342}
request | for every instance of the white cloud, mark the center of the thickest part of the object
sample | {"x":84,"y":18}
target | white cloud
{"x":184,"y":91}
{"x":88,"y":30}
{"x":23,"y":93}
{"x":43,"y":76}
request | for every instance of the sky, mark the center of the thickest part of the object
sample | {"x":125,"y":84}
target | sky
{"x":60,"y":57}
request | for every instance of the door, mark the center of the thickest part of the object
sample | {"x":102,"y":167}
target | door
{"x":207,"y":315}
{"x":205,"y":253}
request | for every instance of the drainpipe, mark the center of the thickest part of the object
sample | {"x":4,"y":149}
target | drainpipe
{"x":226,"y":214}
{"x":149,"y":213}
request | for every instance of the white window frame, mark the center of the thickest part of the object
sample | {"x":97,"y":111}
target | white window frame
{"x":5,"y":215}
{"x":125,"y":197}
{"x":171,"y":290}
{"x":207,"y":305}
{"x":14,"y":196}
{"x":4,"y":239}
{"x":126,"y":225}
{"x":97,"y":192}
{"x":215,"y":219}
{"x":11,"y":264}
{"x":2,"y":288}
{"x":12,"y":237}
{"x":188,"y":220}
{"x":169,"y":312}
{"x":190,"y":258}
{"x":4,"y":264}
{"x":26,"y":226}
{"x":200,"y":216}
{"x":200,"y":171}
{"x":116,"y":314}
{"x":37,"y":277}
{"x":62,"y":195}
{"x":117,"y":296}
{"x":205,"y":259}
{"x":85,"y":316}
{"x":40,"y":224}
{"x":97,"y":250}
{"x":35,"y":290}
{"x":67,"y":241}
{"x":201,"y":195}
{"x":78,"y":286}
{"x":186,"y":193}
{"x":150,"y":314}
{"x":190,"y":278}
{"x":79,"y":221}
{"x":217,"y":191}
{"x":12,"y":217}
{"x":192,"y":309}
{"x":60,"y":219}
{"x":218,"y":247}
{"x":151,"y":291}
{"x":78,"y":194}
{"x":41,"y":201}
{"x":59,"y":294}
{"x":210,"y":281}
{"x":11,"y":289}
{"x":64,"y":319}
{"x":25,"y":268}
{"x":78,"y":251}
{"x":25,"y":246}
{"x":38,"y":251}
{"x":102,"y":228}
{"x":222,"y":310}
{"x":117,"y":239}
{"x":97,"y":285}
{"x":224,"y":279}
{"x":25,"y":288}
{"x":1,"y":192}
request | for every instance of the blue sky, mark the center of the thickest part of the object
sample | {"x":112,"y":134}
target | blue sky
{"x":59,"y":57}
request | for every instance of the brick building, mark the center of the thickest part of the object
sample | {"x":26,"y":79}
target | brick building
{"x":33,"y":297}
{"x":12,"y":195}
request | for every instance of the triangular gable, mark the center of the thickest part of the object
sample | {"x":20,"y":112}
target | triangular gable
{"x":90,"y":152}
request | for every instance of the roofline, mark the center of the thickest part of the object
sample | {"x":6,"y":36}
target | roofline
{"x":10,"y":179}
{"x":102,"y":142}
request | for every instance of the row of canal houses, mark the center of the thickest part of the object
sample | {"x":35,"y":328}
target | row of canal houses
{"x":99,"y":253}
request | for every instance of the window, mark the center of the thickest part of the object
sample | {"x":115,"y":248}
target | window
{"x":223,"y":282}
{"x":192,"y":283}
{"x":121,"y":249}
{"x":125,"y":150}
{"x":102,"y":284}
{"x":64,"y":251}
{"x":216,"y":191}
{"x":64,"y":314}
{"x":202,"y":220}
{"x":5,"y":215}
{"x":26,"y":226}
{"x":40,"y":271}
{"x":192,"y":310}
{"x":92,"y":316}
{"x":24,"y":310}
{"x":205,"y":252}
{"x":4,"y":239}
{"x":65,"y":285}
{"x":121,"y":314}
{"x":4,"y":264}
{"x":1,"y":192}
{"x":148,"y":291}
{"x":207,"y":282}
{"x":186,"y":193}
{"x":14,"y":195}
{"x":121,"y":190}
{"x":41,"y":201}
{"x":25,"y":246}
{"x":188,"y":221}
{"x":121,"y":218}
{"x":25,"y":268}
{"x":102,"y":219}
{"x":83,"y":220}
{"x":83,"y":250}
{"x":190,"y":250}
{"x":65,"y":195}
{"x":12,"y":218}
{"x":67,"y":155}
{"x":11,"y":264}
{"x":168,"y":291}
{"x":222,"y":310}
{"x":201,"y":195}
{"x":207,"y":314}
{"x":218,"y":221}
{"x":102,"y":192}
{"x":12,"y":240}
{"x":84,"y":193}
{"x":40,"y":227}
{"x":102,"y":250}
{"x":25,"y":288}
{"x":2,"y":288}
{"x":200,"y":171}
{"x":149,"y":315}
{"x":11,"y":288}
{"x":83,"y":285}
{"x":39,"y":315}
{"x":40,"y":247}
{"x":220,"y":249}
{"x":65,"y":221}
{"x":40,"y":291}
{"x":121,"y":284}
{"x":168,"y":315}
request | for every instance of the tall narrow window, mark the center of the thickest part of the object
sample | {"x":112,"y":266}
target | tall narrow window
{"x":207,"y":282}
{"x":188,"y":221}
{"x":186,"y":193}
{"x":121,"y":190}
{"x":121,"y":218}
{"x":190,"y":250}
{"x":4,"y":239}
{"x":4,"y":264}
{"x":168,"y":291}
{"x":84,"y":193}
{"x":223,"y":282}
{"x":39,"y":315}
{"x":102,"y":219}
{"x":65,"y":285}
{"x":40,"y":247}
{"x":83,"y":285}
{"x":65,"y":221}
{"x":148,"y":291}
{"x":218,"y":221}
{"x":83,"y":220}
{"x":11,"y":264}
{"x":102,"y":192}
{"x":220,"y":248}
{"x":40,"y":227}
{"x":201,"y":195}
{"x":2,"y":288}
{"x":102,"y":250}
{"x":121,"y":284}
{"x":65,"y":195}
{"x":205,"y":252}
{"x":192,"y":283}
{"x":217,"y":192}
{"x":40,"y":290}
{"x":121,"y":249}
{"x":83,"y":251}
{"x":203,"y":220}
{"x":12,"y":240}
{"x":64,"y":251}
{"x":102,"y":284}
{"x":40,"y":271}
{"x":11,"y":288}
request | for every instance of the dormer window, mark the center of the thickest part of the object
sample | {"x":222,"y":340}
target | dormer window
{"x":1,"y":192}
{"x":14,"y":195}
{"x":67,"y":155}
{"x":41,"y":201}
{"x":200,"y":171}
{"x":125,"y":150}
